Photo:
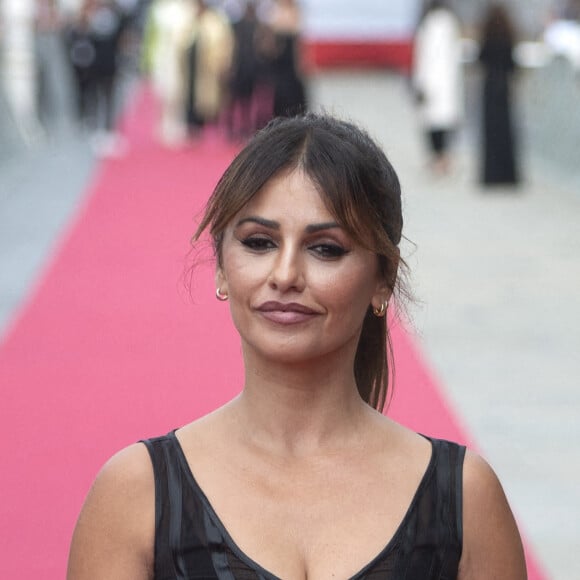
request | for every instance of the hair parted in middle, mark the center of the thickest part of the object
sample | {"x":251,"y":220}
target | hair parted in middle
{"x":360,"y":189}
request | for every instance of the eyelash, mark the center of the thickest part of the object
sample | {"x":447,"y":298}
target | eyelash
{"x":329,"y":251}
{"x":325,"y":251}
{"x":258,"y":244}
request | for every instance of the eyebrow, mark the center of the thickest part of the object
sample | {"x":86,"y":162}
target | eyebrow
{"x":261,"y":221}
{"x":313,"y":228}
{"x":274,"y":225}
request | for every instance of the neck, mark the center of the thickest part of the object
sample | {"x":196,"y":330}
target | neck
{"x":300,"y":409}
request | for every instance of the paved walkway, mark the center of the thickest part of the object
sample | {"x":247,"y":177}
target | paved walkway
{"x":39,"y":192}
{"x":496,"y":277}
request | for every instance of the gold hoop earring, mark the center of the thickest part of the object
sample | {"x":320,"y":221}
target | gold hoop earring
{"x":380,"y":312}
{"x":221,"y":297}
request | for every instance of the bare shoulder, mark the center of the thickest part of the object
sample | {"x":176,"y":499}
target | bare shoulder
{"x":114,"y":535}
{"x":492,"y":546}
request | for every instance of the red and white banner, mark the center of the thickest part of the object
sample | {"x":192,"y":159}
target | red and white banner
{"x":360,"y":32}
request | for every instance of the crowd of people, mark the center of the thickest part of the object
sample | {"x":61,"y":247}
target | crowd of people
{"x":438,"y":84}
{"x":81,"y":55}
{"x":235,"y":64}
{"x":231,"y":65}
{"x":235,"y":69}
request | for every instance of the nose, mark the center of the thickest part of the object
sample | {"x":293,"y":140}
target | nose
{"x":287,"y":271}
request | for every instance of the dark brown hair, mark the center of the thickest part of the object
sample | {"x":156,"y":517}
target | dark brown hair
{"x":498,"y":25}
{"x":361,"y":190}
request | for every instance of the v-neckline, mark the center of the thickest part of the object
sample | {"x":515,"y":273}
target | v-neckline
{"x":263,"y":571}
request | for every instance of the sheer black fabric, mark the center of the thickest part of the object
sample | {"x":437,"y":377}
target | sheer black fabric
{"x":192,"y":543}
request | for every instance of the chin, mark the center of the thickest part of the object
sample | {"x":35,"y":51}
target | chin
{"x":297,"y":352}
{"x":288,"y":354}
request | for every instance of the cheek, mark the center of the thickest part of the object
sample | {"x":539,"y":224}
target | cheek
{"x":347,"y":289}
{"x":242,"y":274}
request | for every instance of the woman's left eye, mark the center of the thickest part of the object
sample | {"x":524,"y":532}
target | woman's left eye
{"x":328,"y":251}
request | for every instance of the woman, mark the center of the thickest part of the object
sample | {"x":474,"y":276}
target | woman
{"x":301,"y":476}
{"x":167,"y":36}
{"x":499,"y":148}
{"x":285,"y":23}
{"x":210,"y":59}
{"x":438,"y":80}
{"x":95,"y":40}
{"x":244,"y":74}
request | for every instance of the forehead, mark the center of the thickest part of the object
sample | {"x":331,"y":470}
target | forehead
{"x":291,"y":193}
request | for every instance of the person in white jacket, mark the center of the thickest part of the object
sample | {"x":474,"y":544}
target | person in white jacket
{"x":438,"y":79}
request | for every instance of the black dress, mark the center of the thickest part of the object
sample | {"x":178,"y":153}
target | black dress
{"x":192,"y":543}
{"x":289,"y":92}
{"x":94,"y":54}
{"x":245,"y":61}
{"x":245,"y":73}
{"x":499,"y":146}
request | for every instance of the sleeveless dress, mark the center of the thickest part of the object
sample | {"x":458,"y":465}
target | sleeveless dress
{"x":289,"y":90}
{"x":192,"y":543}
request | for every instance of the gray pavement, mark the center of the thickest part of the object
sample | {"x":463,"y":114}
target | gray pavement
{"x":496,"y":276}
{"x":40,"y":188}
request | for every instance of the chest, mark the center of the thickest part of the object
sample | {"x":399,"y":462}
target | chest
{"x":341,"y":523}
{"x":322,"y":521}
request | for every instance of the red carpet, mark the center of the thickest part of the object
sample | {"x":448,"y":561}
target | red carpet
{"x":110,"y":348}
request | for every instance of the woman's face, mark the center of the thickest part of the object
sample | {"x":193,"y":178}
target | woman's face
{"x":298,"y":285}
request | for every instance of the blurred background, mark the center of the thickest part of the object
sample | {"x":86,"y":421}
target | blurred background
{"x":491,"y":177}
{"x":46,"y":60}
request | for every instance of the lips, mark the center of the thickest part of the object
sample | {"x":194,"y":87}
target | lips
{"x":286,"y":313}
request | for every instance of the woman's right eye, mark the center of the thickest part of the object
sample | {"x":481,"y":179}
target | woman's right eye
{"x":258,"y":243}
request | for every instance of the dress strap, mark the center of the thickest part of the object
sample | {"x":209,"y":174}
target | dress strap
{"x":450,"y":458}
{"x":457,"y":484}
{"x":168,"y":507}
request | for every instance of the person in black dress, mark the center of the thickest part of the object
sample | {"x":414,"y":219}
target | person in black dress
{"x":289,"y":90}
{"x":301,"y":475}
{"x":94,"y":41}
{"x":499,"y":159}
{"x":244,"y":74}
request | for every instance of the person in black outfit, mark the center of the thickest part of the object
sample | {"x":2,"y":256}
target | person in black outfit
{"x":94,"y":42}
{"x":81,"y":53}
{"x":500,"y":163}
{"x":289,"y":90}
{"x":301,"y":475}
{"x":244,"y":74}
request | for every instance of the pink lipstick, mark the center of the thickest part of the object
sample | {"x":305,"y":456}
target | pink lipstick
{"x":286,"y":312}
